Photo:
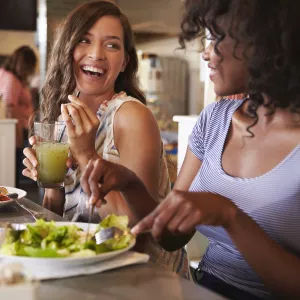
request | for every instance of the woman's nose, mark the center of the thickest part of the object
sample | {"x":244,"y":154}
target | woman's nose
{"x":206,"y":52}
{"x":96,"y":53}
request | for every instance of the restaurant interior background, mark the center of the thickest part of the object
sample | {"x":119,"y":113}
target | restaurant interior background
{"x":175,"y":81}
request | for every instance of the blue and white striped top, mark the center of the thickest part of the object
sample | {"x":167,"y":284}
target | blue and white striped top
{"x":272,"y":199}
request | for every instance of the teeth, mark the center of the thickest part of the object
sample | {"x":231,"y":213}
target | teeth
{"x":93,"y":69}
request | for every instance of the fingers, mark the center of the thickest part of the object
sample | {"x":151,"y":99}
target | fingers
{"x":29,"y":174}
{"x":30,"y":154}
{"x":93,"y":180}
{"x":91,"y":115}
{"x":175,"y":213}
{"x":69,"y":124}
{"x":32,"y":140}
{"x":160,"y":223}
{"x":85,"y":121}
{"x":81,"y":120}
{"x":84,"y":181}
{"x":108,"y":181}
{"x":190,"y":222}
{"x":30,"y":162}
{"x":27,"y":163}
{"x":179,"y":217}
{"x":145,"y":224}
{"x":74,"y":114}
{"x":165,"y":212}
{"x":155,"y":220}
{"x":70,"y":163}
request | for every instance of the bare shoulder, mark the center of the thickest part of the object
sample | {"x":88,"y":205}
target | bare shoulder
{"x":132,"y":114}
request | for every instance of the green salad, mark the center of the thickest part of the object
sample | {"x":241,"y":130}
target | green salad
{"x":46,"y":239}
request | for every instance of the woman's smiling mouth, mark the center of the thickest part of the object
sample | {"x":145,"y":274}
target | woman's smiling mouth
{"x":92,"y":71}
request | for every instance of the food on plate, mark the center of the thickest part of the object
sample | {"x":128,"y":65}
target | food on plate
{"x":3,"y":193}
{"x":3,"y":190}
{"x":4,"y":198}
{"x":46,"y":239}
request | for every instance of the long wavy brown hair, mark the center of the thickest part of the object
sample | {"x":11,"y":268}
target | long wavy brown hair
{"x":21,"y":63}
{"x":60,"y":80}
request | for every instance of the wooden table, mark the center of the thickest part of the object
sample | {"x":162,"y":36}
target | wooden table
{"x":138,"y":282}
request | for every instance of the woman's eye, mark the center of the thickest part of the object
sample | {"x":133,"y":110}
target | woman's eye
{"x":113,"y":46}
{"x":84,"y":41}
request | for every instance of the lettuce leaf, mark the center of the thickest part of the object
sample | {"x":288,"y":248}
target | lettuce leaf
{"x":120,"y":243}
{"x":36,"y":252}
{"x":114,"y":221}
{"x":120,"y":222}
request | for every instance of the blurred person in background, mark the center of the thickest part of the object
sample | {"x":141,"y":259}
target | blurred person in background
{"x":15,"y":75}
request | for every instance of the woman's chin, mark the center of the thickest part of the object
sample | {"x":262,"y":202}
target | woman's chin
{"x":91,"y":91}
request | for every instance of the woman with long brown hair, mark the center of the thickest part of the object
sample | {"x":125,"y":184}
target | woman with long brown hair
{"x":94,"y":56}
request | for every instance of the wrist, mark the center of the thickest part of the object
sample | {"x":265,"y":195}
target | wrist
{"x":83,"y":160}
{"x":133,"y":183}
{"x":133,"y":179}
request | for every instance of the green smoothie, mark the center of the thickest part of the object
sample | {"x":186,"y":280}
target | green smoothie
{"x":52,"y":159}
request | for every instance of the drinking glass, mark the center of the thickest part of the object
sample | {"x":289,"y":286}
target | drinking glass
{"x":52,"y":150}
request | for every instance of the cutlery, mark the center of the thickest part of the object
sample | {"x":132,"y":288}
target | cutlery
{"x":112,"y":233}
{"x":6,"y":225}
{"x":14,"y":226}
{"x":91,"y":209}
{"x":35,"y":215}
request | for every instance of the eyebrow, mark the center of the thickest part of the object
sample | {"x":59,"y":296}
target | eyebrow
{"x":108,"y":37}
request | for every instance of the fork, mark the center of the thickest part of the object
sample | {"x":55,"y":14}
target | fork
{"x":112,"y":233}
{"x":91,"y":209}
{"x":4,"y":226}
{"x":35,"y":215}
{"x":108,"y":233}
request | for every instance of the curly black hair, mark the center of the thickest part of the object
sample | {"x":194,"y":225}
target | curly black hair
{"x":269,"y":30}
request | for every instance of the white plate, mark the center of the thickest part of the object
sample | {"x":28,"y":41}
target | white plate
{"x":65,"y":262}
{"x":12,"y":190}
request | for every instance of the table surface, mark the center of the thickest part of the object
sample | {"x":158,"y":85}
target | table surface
{"x":145,"y":281}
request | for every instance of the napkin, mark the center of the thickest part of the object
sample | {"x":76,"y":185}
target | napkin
{"x":37,"y":272}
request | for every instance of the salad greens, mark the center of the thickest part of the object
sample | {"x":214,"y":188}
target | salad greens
{"x":46,"y":239}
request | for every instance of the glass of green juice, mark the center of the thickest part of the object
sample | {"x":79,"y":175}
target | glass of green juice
{"x":52,"y":151}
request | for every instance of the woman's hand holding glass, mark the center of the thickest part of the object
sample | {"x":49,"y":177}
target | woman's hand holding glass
{"x":181,"y":212}
{"x":82,"y":125}
{"x":30,"y":161}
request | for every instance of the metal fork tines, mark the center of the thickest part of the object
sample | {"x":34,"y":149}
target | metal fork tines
{"x":108,"y":233}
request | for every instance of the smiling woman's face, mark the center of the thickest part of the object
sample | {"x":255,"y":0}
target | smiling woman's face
{"x":99,"y":57}
{"x":229,"y":74}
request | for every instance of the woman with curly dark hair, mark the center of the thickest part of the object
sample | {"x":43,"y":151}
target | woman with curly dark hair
{"x":240,"y":181}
